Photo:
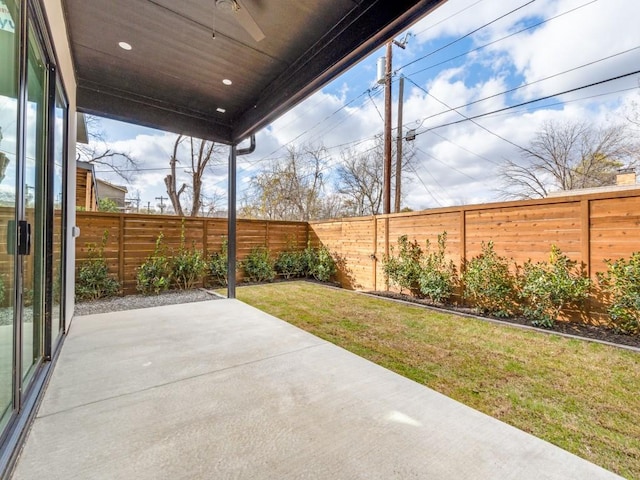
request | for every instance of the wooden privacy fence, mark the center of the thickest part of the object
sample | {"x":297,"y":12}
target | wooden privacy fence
{"x":132,"y":238}
{"x":588,"y":228}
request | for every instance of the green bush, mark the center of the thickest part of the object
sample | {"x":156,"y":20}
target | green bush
{"x":154,"y":275}
{"x":438,"y":278}
{"x":291,"y":263}
{"x":621,"y":283}
{"x":322,"y":266}
{"x":93,"y":280}
{"x":258,"y":266}
{"x":219,"y":264}
{"x":188,"y":265}
{"x":489,"y":284}
{"x":547,"y":287}
{"x":404,"y":269}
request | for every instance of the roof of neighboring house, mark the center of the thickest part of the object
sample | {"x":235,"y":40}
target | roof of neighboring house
{"x":108,"y":184}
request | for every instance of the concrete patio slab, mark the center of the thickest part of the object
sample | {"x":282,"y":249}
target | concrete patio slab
{"x":219,"y":390}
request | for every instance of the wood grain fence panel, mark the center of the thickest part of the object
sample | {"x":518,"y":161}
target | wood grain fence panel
{"x":614,"y":230}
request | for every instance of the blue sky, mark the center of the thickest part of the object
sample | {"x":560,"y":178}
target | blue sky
{"x":459,"y":164}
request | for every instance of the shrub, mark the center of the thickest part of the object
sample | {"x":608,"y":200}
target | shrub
{"x":291,"y":263}
{"x":437,"y":278}
{"x":489,"y":284}
{"x":621,"y":282}
{"x":258,"y":266}
{"x":322,"y":266}
{"x":547,"y":287}
{"x":154,"y":275}
{"x":404,"y":270}
{"x":219,"y":264}
{"x":93,"y":280}
{"x":187,"y":266}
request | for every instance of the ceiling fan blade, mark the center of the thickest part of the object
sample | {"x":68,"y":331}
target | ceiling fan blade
{"x":248,"y":23}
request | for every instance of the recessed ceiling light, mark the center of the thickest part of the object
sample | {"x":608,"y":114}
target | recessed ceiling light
{"x":221,"y":110}
{"x":226,"y":81}
{"x":125,"y":46}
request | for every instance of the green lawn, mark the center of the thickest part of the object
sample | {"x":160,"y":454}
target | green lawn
{"x":581,"y":396}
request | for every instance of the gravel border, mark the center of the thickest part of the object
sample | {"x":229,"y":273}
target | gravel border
{"x":131,"y":302}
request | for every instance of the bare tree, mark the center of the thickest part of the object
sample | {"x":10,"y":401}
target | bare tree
{"x":98,"y":151}
{"x":291,"y":188}
{"x":202,"y":157}
{"x":568,"y":156}
{"x":361,"y":179}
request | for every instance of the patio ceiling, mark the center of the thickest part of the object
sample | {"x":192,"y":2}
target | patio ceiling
{"x":172,"y":77}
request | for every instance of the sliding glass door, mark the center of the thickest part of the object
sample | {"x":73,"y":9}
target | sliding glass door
{"x":9,"y":48}
{"x":33,"y":149}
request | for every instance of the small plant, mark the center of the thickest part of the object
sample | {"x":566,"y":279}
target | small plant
{"x":218,"y":265}
{"x":404,"y":270}
{"x":547,"y":287}
{"x":489,"y":284}
{"x":323,"y":267}
{"x":188,"y":265}
{"x":438,"y":278}
{"x":154,"y":275}
{"x":258,"y":266}
{"x":621,"y":282}
{"x":93,"y":280}
{"x":291,"y":263}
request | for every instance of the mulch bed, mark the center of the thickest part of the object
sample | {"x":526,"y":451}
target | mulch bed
{"x":593,"y":332}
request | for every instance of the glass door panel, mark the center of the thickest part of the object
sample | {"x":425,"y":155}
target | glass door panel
{"x":58,"y":219}
{"x":9,"y":15}
{"x":34,"y":205}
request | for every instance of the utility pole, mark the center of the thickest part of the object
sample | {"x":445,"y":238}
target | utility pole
{"x":387,"y":126}
{"x":162,"y":199}
{"x":399,"y":145}
{"x":387,"y":130}
{"x":148,"y":207}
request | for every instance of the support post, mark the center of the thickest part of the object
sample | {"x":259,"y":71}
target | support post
{"x":231,"y":226}
{"x":399,"y":147}
{"x":387,"y":131}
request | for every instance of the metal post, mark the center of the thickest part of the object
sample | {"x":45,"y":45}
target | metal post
{"x":387,"y":131}
{"x":399,"y":146}
{"x":231,"y":226}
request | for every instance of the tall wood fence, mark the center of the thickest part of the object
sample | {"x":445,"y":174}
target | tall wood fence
{"x":588,"y":228}
{"x":132,"y":238}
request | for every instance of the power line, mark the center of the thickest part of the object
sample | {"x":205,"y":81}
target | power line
{"x":546,"y":97}
{"x":464,"y":54}
{"x":448,"y":18}
{"x":470,"y":33}
{"x":519,"y":87}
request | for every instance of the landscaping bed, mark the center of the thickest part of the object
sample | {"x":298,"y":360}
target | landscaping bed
{"x":590,"y":332}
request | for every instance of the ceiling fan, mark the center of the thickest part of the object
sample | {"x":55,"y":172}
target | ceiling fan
{"x":240,"y":12}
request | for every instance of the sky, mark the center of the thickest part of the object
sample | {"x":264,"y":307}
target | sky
{"x":458,"y":62}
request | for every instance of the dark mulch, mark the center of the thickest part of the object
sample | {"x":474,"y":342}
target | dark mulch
{"x":594,"y":332}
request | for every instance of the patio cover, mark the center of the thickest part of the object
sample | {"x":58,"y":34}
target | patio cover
{"x":171,"y":79}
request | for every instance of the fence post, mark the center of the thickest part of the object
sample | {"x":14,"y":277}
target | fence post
{"x":121,"y":250}
{"x":205,"y":236}
{"x":585,"y":234}
{"x":375,"y":252}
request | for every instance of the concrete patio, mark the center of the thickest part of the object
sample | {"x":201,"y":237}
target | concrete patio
{"x":218,"y":390}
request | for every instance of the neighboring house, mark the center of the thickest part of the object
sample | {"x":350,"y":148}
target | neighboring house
{"x":626,"y":179}
{"x":86,"y":187}
{"x":113,"y":192}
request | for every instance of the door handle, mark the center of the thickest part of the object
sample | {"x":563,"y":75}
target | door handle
{"x":24,"y":237}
